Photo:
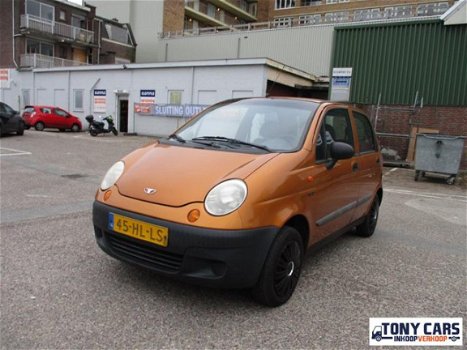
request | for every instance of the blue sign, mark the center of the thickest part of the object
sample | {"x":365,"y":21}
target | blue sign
{"x":101,"y":92}
{"x":147,"y":93}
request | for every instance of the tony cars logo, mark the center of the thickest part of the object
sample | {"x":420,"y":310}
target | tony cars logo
{"x":416,"y":331}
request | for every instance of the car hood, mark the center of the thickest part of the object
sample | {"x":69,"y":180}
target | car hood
{"x":182,"y":175}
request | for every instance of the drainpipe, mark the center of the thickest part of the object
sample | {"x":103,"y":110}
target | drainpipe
{"x":90,"y":94}
{"x":13,"y":32}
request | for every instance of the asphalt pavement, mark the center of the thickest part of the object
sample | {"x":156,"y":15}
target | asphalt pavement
{"x":60,"y":291}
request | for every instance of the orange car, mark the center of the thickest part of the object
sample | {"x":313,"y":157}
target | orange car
{"x":237,"y":195}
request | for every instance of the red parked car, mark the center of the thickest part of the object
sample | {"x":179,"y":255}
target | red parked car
{"x":41,"y":117}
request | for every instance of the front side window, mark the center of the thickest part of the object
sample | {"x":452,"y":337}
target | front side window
{"x":276,"y":125}
{"x":336,"y":127}
{"x":60,"y":112}
{"x":366,"y":137}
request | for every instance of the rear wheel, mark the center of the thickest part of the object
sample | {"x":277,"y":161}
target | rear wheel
{"x":367,"y":227}
{"x":281,"y":269}
{"x":39,"y":126}
{"x":75,"y":128}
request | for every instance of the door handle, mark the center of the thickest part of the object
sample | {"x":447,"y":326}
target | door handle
{"x":355,"y":167}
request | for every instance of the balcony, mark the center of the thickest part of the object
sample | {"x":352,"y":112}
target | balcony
{"x":199,"y":11}
{"x":34,"y":60}
{"x":239,"y":8}
{"x":60,"y":30}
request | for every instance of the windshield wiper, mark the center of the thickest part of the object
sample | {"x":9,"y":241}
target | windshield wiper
{"x":231,"y":141}
{"x":176,"y":137}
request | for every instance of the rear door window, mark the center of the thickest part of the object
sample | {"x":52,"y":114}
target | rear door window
{"x":366,"y":136}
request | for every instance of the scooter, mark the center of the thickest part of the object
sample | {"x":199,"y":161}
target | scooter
{"x":96,"y":127}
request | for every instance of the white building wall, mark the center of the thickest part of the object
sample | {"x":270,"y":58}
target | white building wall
{"x":199,"y":84}
{"x":307,"y":48}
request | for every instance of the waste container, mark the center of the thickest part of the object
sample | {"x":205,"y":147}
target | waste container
{"x":439,"y":154}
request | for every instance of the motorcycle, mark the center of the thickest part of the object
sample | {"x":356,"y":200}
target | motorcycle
{"x":97,"y":127}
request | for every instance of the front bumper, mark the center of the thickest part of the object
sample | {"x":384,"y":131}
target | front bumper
{"x":216,"y":258}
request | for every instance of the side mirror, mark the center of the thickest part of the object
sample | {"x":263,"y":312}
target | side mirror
{"x":340,"y":150}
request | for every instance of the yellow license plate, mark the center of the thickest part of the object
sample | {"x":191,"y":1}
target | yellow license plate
{"x":139,"y":229}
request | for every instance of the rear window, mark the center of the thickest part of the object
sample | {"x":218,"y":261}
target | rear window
{"x":29,"y":109}
{"x":46,"y":110}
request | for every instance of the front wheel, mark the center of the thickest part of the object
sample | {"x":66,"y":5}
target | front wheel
{"x":367,"y":227}
{"x":75,"y":128}
{"x":115,"y":132}
{"x":281,"y":269}
{"x":20,"y":130}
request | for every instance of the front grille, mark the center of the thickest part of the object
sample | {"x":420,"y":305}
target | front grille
{"x":144,"y":254}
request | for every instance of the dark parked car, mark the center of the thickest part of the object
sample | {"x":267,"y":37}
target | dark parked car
{"x":10,"y":120}
{"x":41,"y":117}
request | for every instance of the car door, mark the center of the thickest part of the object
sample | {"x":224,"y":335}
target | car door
{"x":61,"y":118}
{"x":332,"y":198}
{"x":47,"y":117}
{"x":368,"y":161}
{"x":9,"y":123}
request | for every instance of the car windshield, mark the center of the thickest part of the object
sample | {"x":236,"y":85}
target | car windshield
{"x":274,"y":125}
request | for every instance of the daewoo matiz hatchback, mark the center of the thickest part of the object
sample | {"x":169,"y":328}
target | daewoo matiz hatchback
{"x":236,"y":196}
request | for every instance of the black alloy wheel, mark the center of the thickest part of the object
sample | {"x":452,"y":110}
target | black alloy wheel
{"x":281,"y":270}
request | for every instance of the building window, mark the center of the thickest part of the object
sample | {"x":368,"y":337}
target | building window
{"x":62,"y":15}
{"x":331,"y":1}
{"x":175,"y":97}
{"x":38,"y":9}
{"x":309,"y":19}
{"x":398,"y":12}
{"x":283,"y":22}
{"x":78,"y":100}
{"x":284,"y":4}
{"x":365,"y":15}
{"x":78,"y":21}
{"x":40,"y":47}
{"x":432,"y":9}
{"x":333,"y":17}
{"x":117,"y":33}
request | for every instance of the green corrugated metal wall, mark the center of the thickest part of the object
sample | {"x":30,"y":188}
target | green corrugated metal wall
{"x":397,"y":60}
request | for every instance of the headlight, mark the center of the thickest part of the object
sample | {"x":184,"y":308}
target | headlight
{"x":112,"y":175}
{"x":225,"y":197}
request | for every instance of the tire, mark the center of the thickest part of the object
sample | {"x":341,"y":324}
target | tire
{"x":20,"y":130}
{"x":378,"y":338}
{"x":281,"y":270}
{"x":115,"y":132}
{"x":75,"y":128}
{"x":39,"y":126}
{"x":367,"y":227}
{"x":93,"y":132}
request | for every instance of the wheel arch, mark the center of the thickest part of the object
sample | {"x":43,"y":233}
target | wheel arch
{"x":380,"y":195}
{"x":300,"y":223}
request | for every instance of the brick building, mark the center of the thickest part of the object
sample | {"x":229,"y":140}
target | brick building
{"x":54,"y":33}
{"x":241,"y":14}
